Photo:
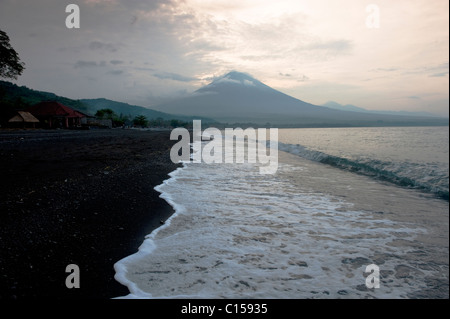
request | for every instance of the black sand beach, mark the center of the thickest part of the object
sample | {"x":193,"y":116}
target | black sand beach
{"x":76,"y":197}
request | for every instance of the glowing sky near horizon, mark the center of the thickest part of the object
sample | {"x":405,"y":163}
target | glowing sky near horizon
{"x":144,"y":52}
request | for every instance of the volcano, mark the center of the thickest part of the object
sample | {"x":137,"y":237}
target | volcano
{"x":237,"y":97}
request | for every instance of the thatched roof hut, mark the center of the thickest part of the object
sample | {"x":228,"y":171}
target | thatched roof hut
{"x":24,"y":118}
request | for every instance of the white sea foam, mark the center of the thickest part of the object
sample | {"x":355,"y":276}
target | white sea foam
{"x":307,"y":231}
{"x":239,"y":234}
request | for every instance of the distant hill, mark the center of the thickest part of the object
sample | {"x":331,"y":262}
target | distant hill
{"x":133,"y":110}
{"x":239,"y":98}
{"x":20,"y":97}
{"x":14,"y":97}
{"x":349,"y":107}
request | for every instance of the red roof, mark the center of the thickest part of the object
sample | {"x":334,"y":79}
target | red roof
{"x":52,"y":108}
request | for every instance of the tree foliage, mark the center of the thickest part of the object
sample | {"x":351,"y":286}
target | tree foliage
{"x":106,"y":114}
{"x":10,"y":93}
{"x":140,"y":120}
{"x":117,"y":120}
{"x":10,"y":65}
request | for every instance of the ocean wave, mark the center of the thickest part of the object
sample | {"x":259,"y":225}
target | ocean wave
{"x":429,"y":177}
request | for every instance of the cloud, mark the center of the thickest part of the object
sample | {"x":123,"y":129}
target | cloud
{"x":227,"y":80}
{"x":393,"y":69}
{"x":297,"y":78}
{"x":97,"y":45}
{"x":88,"y":64}
{"x":173,"y":76}
{"x":436,"y":75}
{"x":144,"y":69}
{"x":180,"y":44}
{"x":261,"y":57}
{"x":115,"y":72}
{"x":99,"y":1}
{"x":129,"y":4}
{"x":116,"y":62}
{"x":335,"y":46}
{"x":438,"y":70}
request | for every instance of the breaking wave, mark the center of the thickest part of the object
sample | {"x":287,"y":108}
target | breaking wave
{"x":429,"y":177}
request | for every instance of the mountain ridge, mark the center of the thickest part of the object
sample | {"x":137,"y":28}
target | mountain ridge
{"x":14,"y":97}
{"x":353,"y":108}
{"x":134,"y":110}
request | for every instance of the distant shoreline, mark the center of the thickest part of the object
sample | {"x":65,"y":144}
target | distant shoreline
{"x":77,"y":197}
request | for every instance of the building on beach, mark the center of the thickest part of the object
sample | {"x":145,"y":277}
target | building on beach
{"x":23,"y":119}
{"x":53,"y":114}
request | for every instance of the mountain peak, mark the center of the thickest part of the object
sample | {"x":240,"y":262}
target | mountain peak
{"x":235,"y":77}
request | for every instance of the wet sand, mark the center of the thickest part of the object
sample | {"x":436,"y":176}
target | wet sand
{"x":76,"y":197}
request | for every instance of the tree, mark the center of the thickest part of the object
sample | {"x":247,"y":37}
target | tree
{"x":140,"y":120}
{"x":109,"y":114}
{"x":10,"y":65}
{"x":177,"y":123}
{"x":106,"y":114}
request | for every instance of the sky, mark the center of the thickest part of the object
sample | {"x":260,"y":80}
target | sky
{"x":375,"y":54}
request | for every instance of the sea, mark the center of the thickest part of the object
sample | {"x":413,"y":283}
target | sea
{"x":351,"y":213}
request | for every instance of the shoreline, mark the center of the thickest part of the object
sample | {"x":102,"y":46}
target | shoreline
{"x":341,"y":230}
{"x":77,"y":197}
{"x":146,"y":247}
